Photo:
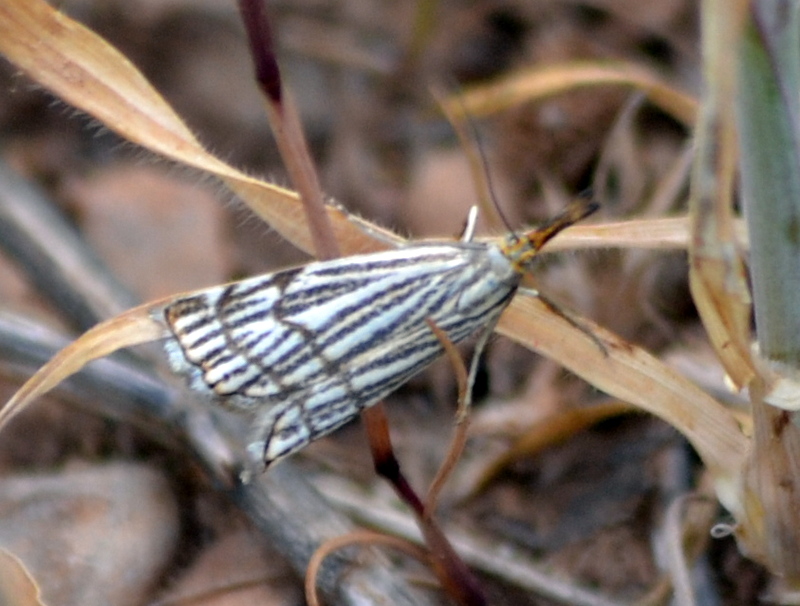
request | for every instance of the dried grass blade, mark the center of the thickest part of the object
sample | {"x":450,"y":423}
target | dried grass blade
{"x":552,"y":430}
{"x":84,"y":70}
{"x":717,"y":273}
{"x":633,"y":375}
{"x":134,"y":327}
{"x":17,"y":585}
{"x":538,"y":83}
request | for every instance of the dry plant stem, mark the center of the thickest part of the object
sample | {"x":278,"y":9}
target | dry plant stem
{"x":363,"y":537}
{"x":294,"y":151}
{"x":679,"y":553}
{"x":543,"y":82}
{"x":450,"y":568}
{"x":668,"y":192}
{"x":504,"y":562}
{"x":58,"y":263}
{"x":717,"y":274}
{"x":454,"y":576}
{"x":384,"y":460}
{"x":459,"y":439}
{"x":292,"y":144}
{"x":286,"y":126}
{"x":294,"y":516}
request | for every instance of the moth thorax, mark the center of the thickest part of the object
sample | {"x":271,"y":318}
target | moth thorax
{"x":518,"y":251}
{"x":501,"y":266}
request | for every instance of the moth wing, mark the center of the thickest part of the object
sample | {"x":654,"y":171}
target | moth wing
{"x":308,"y":348}
{"x":215,"y":333}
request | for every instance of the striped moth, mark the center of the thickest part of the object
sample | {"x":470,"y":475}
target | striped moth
{"x":305,"y":349}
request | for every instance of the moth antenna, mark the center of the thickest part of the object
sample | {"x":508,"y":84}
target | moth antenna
{"x":476,"y":155}
{"x":487,"y":173}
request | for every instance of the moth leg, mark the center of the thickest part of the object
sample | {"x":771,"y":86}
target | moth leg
{"x":574,"y":322}
{"x":480,"y":345}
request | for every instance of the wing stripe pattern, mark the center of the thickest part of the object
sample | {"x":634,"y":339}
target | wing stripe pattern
{"x":308,"y":348}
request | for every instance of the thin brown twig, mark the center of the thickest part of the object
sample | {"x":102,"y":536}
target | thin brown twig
{"x":383,"y":457}
{"x":217,"y":592}
{"x":365,"y":537}
{"x":287,"y":128}
{"x":452,"y":572}
{"x":462,"y":420}
{"x":454,"y":575}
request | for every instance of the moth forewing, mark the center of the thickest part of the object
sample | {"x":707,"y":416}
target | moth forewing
{"x":308,"y":348}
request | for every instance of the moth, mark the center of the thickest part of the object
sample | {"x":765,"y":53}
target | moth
{"x":305,"y":349}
